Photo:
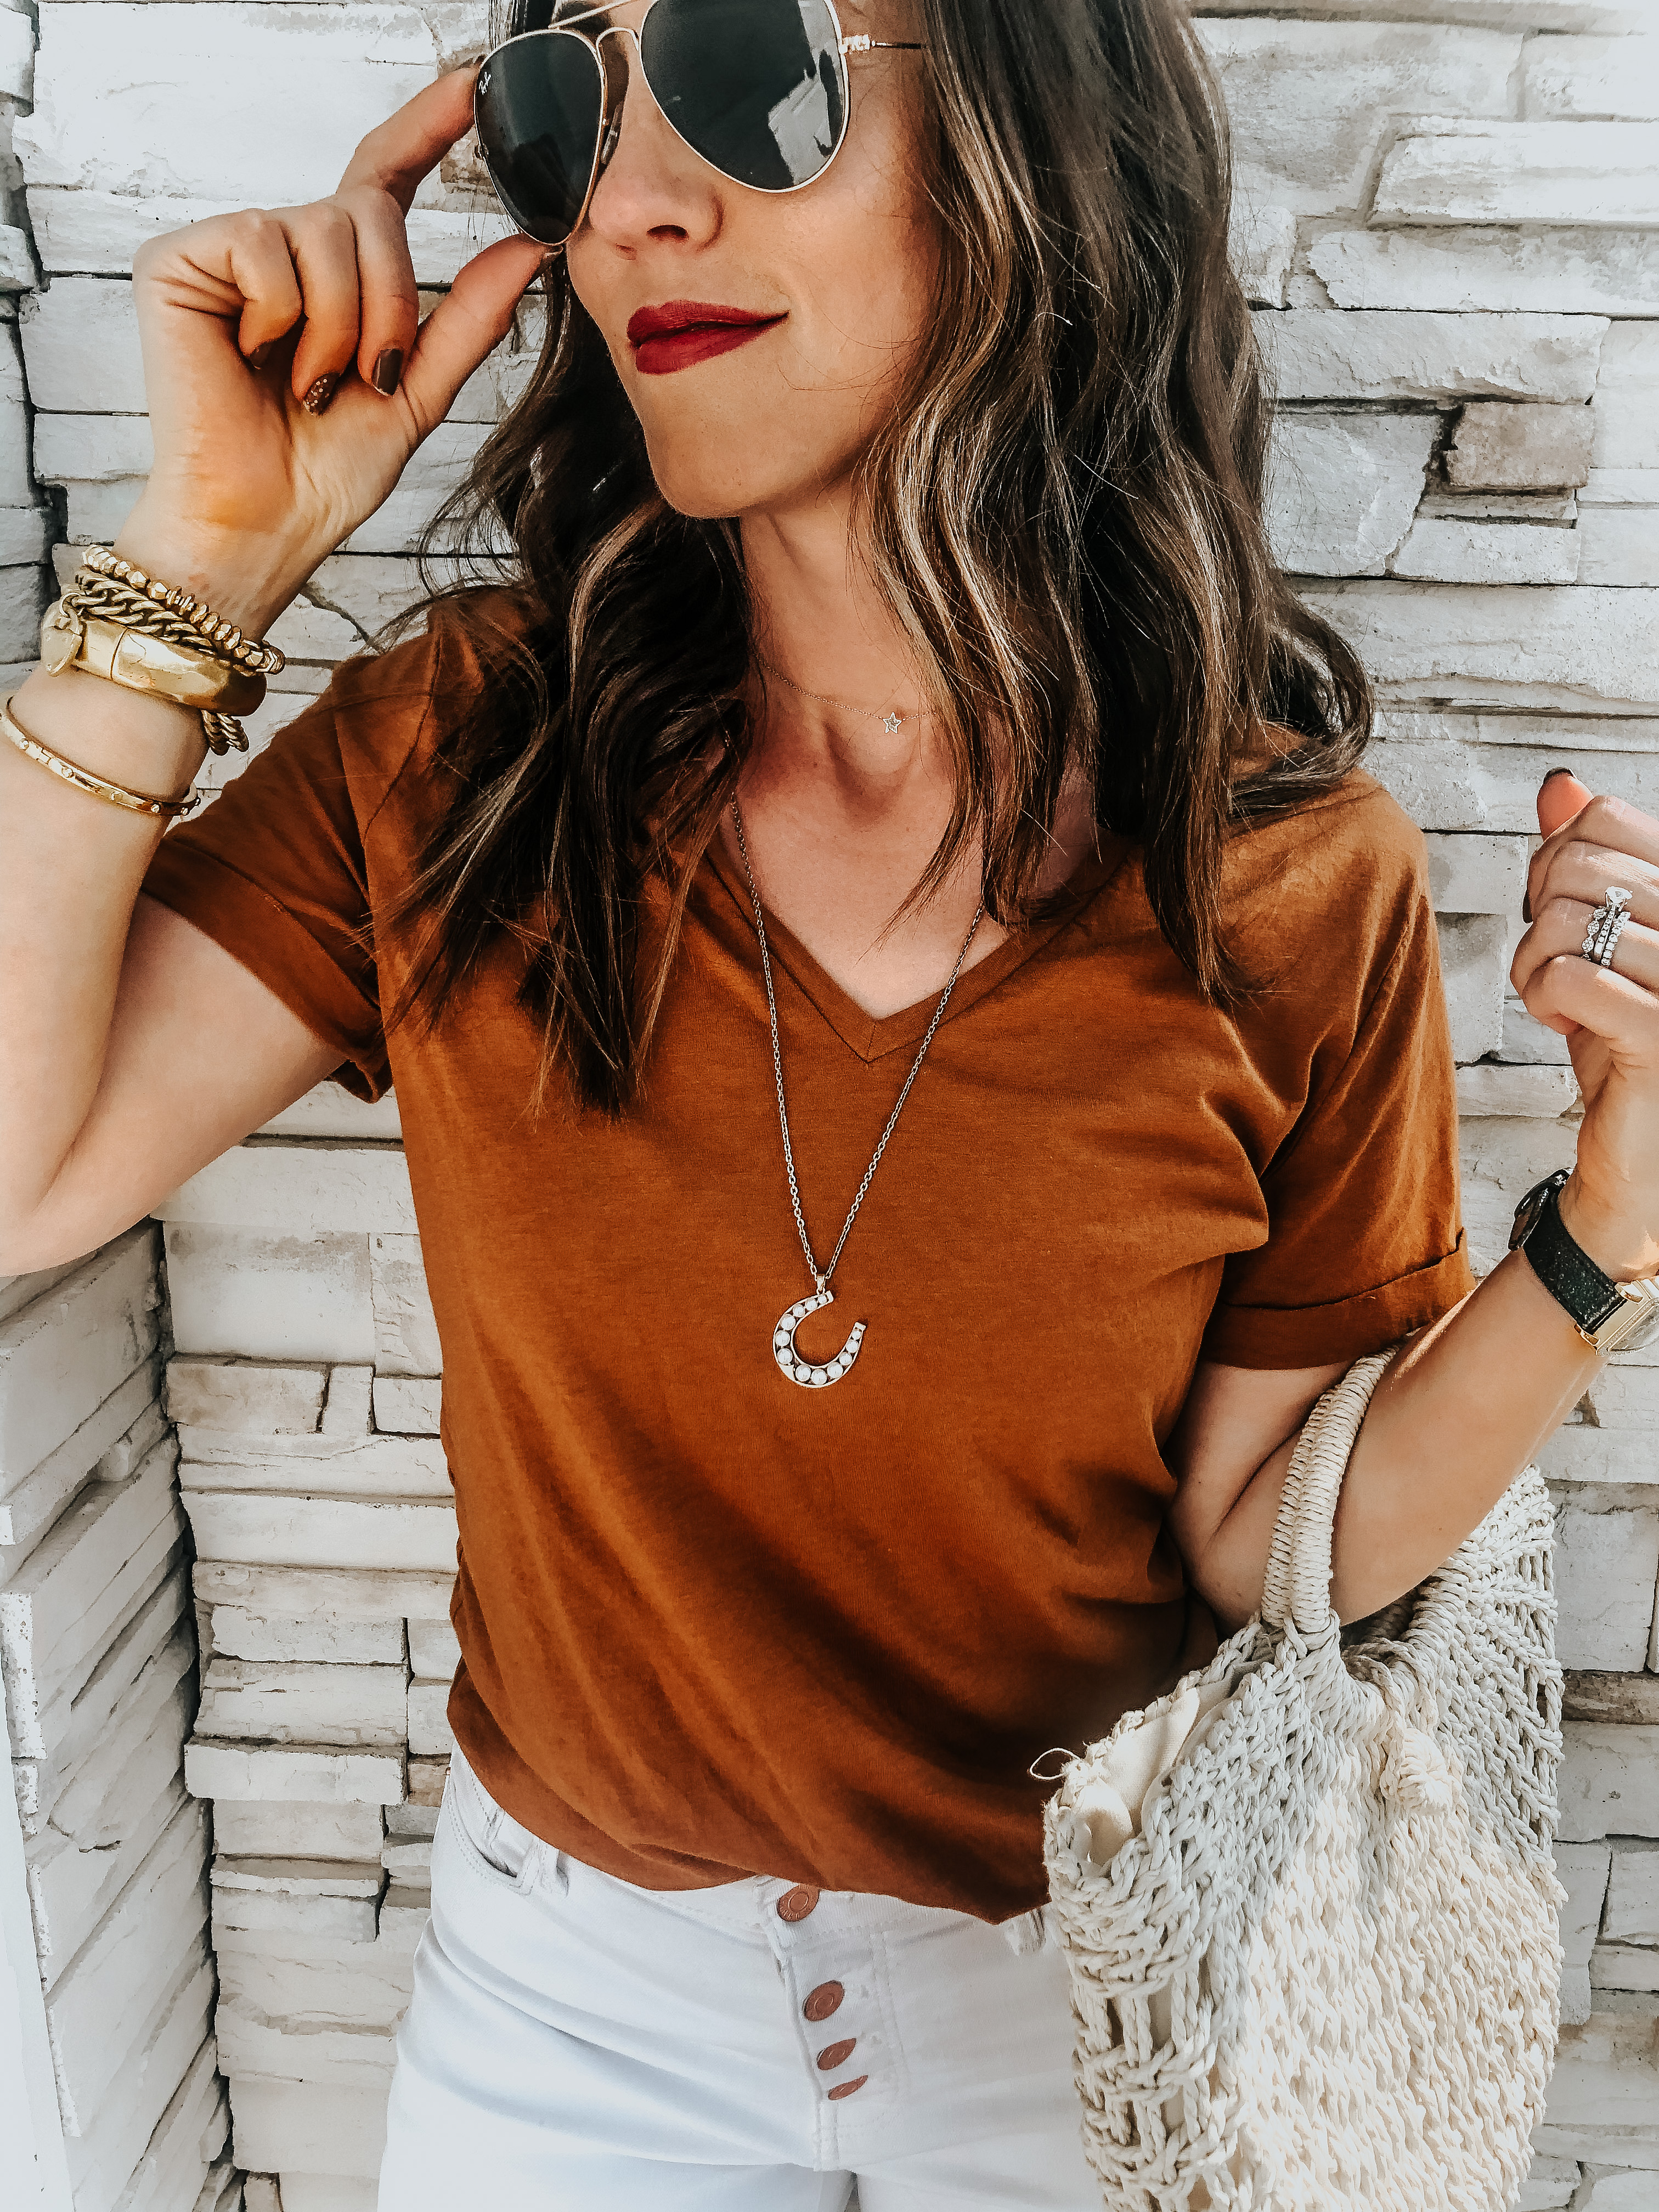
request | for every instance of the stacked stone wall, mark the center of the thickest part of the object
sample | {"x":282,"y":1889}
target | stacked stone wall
{"x":98,"y":1660}
{"x":1447,"y":223}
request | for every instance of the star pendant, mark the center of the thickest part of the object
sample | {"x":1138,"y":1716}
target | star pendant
{"x":890,"y":724}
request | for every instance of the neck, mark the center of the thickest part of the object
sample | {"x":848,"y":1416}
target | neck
{"x":821,"y":626}
{"x":842,"y":817}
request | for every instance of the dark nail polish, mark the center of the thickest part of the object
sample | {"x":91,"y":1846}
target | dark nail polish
{"x":316,"y":400}
{"x":388,"y":368}
{"x":261,"y":354}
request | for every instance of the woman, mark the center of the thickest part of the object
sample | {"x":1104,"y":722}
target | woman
{"x":890,"y":581}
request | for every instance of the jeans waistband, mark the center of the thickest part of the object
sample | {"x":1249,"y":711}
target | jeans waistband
{"x":738,"y":1905}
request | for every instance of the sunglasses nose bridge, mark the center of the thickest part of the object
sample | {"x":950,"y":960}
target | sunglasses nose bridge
{"x":615,"y":73}
{"x":622,"y":76}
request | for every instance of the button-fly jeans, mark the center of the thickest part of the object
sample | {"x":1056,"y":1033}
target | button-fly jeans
{"x":577,"y":2045}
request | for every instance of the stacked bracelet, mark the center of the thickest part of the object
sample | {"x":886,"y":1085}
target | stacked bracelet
{"x":124,"y":584}
{"x":120,"y":623}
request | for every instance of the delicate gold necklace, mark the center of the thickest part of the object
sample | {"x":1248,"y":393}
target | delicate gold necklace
{"x":890,"y":717}
{"x":809,"y":1374}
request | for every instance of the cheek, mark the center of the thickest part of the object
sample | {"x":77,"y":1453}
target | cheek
{"x":864,"y":264}
{"x":585,"y":260}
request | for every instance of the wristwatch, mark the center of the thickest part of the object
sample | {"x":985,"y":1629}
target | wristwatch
{"x":1611,"y":1317}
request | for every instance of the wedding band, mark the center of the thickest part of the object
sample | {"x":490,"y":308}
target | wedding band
{"x":1610,"y":941}
{"x":1607,"y":926}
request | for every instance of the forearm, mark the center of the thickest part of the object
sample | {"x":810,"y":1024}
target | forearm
{"x":1460,"y":1413}
{"x":1461,"y":1410}
{"x":70,"y":868}
{"x":1468,"y":1404}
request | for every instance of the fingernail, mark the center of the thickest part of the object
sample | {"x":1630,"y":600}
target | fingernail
{"x":388,"y":368}
{"x":316,"y":400}
{"x":261,"y":354}
{"x":1550,"y":775}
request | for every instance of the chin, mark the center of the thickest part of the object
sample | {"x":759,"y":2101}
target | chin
{"x":699,"y":483}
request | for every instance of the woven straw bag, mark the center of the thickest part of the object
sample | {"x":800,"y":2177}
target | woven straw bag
{"x":1307,"y":1900}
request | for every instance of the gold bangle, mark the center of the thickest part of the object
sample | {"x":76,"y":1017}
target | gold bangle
{"x":108,"y":649}
{"x":80,"y":779}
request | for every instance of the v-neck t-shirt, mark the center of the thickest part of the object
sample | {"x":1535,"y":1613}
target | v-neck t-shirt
{"x":713,"y":1624}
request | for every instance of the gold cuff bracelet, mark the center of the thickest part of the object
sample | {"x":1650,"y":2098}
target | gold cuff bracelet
{"x":127,"y":656}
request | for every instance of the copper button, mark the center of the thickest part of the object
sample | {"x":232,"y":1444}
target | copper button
{"x":846,"y":2088}
{"x":795,"y":1904}
{"x":836,"y":2054}
{"x":824,"y":2000}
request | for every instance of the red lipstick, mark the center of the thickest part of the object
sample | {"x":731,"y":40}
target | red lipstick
{"x":682,"y":332}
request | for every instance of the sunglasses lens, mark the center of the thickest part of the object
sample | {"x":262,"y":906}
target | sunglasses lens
{"x":758,"y":88}
{"x":538,"y":106}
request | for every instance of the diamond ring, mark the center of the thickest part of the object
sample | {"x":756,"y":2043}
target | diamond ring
{"x":1607,"y":926}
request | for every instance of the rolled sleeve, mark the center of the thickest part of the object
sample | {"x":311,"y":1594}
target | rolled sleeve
{"x":1364,"y":1240}
{"x":275,"y":870}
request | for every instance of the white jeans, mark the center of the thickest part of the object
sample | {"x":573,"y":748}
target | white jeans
{"x":579,"y":2045}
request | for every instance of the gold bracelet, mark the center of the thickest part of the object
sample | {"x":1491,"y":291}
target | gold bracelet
{"x":215,"y":634}
{"x":218,"y":690}
{"x":80,"y":779}
{"x":120,"y":655}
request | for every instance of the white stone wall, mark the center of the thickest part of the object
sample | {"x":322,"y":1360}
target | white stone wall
{"x":1448,"y":222}
{"x":97,"y":1657}
{"x":25,"y":523}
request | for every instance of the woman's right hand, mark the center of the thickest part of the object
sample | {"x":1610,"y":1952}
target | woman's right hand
{"x":242,"y":315}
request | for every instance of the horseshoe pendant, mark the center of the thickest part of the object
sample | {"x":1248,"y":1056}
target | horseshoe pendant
{"x":800,"y":1370}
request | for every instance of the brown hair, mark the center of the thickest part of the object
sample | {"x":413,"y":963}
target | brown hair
{"x":1063,"y":512}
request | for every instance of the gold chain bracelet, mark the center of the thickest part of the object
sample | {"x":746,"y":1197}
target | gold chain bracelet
{"x":96,"y":787}
{"x":118,"y":622}
{"x":213,"y":633}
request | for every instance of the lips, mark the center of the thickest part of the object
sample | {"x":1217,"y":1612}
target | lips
{"x":682,"y":332}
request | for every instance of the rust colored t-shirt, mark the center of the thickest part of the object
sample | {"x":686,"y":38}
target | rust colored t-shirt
{"x":713,"y":1624}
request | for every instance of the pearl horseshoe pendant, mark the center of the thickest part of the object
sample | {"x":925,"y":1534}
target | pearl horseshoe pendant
{"x":801,"y":1370}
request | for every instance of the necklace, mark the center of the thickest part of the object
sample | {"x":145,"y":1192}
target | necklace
{"x":890,"y":717}
{"x":812,"y":1377}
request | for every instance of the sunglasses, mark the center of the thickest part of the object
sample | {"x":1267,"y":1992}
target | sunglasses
{"x":757,"y":88}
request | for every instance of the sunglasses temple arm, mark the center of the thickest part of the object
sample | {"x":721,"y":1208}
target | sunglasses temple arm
{"x":584,"y":14}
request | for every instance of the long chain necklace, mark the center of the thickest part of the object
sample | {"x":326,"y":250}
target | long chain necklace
{"x":890,"y":717}
{"x":811,"y":1376}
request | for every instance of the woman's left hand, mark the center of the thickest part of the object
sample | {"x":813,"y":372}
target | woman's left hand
{"x":1609,"y":1016}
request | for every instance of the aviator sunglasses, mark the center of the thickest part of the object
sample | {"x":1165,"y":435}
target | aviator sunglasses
{"x":757,"y":88}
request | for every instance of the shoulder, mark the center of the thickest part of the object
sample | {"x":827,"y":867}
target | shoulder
{"x":388,"y":710}
{"x":1327,"y":910}
{"x":444,"y":665}
{"x":1350,"y":858}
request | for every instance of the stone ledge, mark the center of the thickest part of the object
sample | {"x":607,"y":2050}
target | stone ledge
{"x":1604,"y":1697}
{"x":313,"y":1775}
{"x":1604,"y":175}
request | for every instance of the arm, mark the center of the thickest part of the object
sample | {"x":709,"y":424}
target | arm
{"x":1469,"y":1401}
{"x":135,"y":1051}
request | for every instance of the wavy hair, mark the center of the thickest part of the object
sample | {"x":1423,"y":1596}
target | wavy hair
{"x":1063,"y":512}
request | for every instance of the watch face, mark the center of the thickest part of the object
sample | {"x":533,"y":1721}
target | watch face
{"x":1642,"y":1334}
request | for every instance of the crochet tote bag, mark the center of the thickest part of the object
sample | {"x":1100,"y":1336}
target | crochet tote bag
{"x":1307,"y":1900}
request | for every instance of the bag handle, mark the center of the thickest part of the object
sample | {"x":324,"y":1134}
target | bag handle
{"x":1298,"y":1582}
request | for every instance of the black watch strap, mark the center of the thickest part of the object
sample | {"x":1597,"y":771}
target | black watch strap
{"x":1564,"y":1268}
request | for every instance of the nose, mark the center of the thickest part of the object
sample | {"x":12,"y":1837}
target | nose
{"x":652,"y":187}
